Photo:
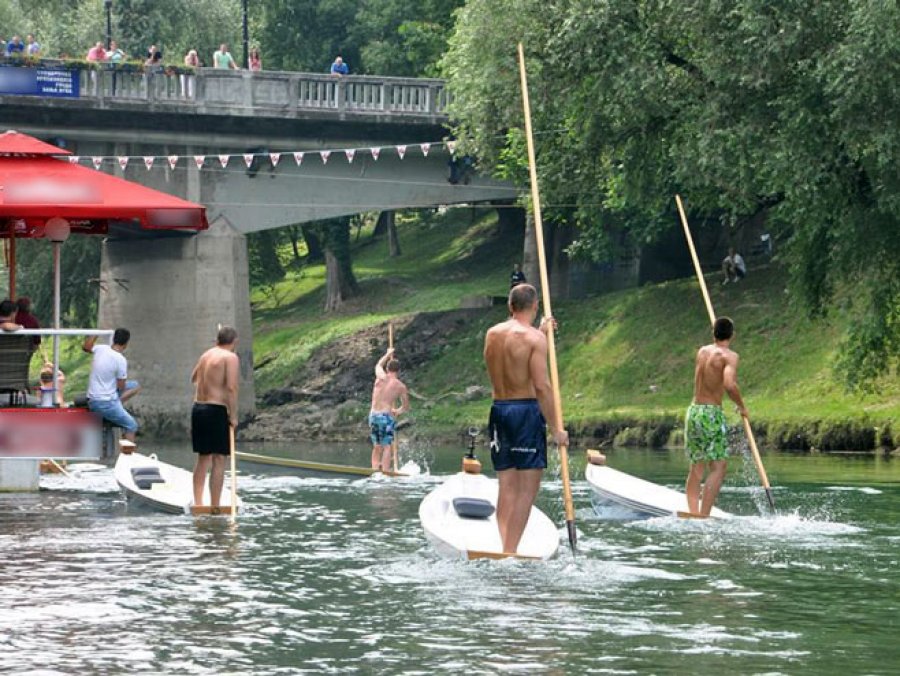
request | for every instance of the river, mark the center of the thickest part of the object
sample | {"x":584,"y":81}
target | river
{"x":335,"y":576}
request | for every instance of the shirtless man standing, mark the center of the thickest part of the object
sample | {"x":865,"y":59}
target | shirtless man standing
{"x":516,"y":356}
{"x":705,"y":429}
{"x":387,"y":389}
{"x":215,"y":378}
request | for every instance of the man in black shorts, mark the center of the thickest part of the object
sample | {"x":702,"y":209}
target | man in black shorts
{"x":215,"y":378}
{"x":516,"y":357}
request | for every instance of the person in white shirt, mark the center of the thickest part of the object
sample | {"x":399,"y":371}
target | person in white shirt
{"x":108,"y":386}
{"x":733,"y":266}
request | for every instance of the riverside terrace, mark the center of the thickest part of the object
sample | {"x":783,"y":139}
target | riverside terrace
{"x":208,"y":91}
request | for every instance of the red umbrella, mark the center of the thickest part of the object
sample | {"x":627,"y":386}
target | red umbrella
{"x":43,"y":194}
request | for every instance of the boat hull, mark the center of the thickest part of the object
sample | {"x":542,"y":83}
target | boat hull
{"x":644,"y":498}
{"x":456,"y":537}
{"x":174,"y":495}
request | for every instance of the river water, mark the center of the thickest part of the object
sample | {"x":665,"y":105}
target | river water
{"x":335,"y":576}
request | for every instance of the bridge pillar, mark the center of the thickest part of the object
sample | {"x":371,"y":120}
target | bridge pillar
{"x":172,"y":293}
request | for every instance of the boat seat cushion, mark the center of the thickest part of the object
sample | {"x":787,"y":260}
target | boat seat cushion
{"x":473,"y":508}
{"x":145,"y":477}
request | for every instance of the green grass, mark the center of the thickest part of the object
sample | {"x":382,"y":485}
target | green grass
{"x":622,"y":355}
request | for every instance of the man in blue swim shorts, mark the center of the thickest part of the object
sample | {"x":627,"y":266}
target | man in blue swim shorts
{"x":705,"y":429}
{"x":516,"y":357}
{"x":386,"y":391}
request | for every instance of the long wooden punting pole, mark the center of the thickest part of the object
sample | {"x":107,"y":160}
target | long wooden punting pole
{"x":545,"y":291}
{"x":233,"y":476}
{"x":394,"y":452}
{"x":712,"y":320}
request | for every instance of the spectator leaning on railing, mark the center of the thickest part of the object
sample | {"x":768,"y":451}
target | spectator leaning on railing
{"x":15,"y":46}
{"x":32,"y":47}
{"x":223,"y":60}
{"x":115,"y":55}
{"x":339,"y":68}
{"x":254,"y":61}
{"x":96,"y":53}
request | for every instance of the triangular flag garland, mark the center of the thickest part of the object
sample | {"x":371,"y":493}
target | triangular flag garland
{"x":274,"y":157}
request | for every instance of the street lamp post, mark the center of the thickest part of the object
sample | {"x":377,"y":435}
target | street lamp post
{"x":107,"y":4}
{"x":245,"y":35}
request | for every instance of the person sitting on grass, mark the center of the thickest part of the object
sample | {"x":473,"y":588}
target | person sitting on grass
{"x":733,"y":266}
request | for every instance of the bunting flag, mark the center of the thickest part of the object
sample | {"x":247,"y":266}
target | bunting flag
{"x":350,"y":155}
{"x":74,"y":159}
{"x":199,"y":160}
{"x":401,"y":151}
{"x":223,"y":160}
{"x":98,"y":161}
{"x":298,"y":158}
{"x":274,"y":158}
{"x":248,"y":159}
{"x":324,"y":154}
{"x":148,"y":161}
{"x":173,"y":160}
{"x":425,"y":148}
{"x":375,"y":153}
{"x":123,"y":162}
{"x":451,"y":146}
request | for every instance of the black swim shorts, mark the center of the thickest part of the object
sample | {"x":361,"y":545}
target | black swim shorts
{"x":209,"y":429}
{"x":518,"y":434}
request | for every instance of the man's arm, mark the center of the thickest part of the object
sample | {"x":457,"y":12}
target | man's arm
{"x":731,"y":386}
{"x":379,"y":367}
{"x":537,"y":366}
{"x":404,"y":403}
{"x":88,"y":344}
{"x":232,"y":375}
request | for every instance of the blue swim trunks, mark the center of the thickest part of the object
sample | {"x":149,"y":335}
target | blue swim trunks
{"x":382,"y":427}
{"x":518,"y":434}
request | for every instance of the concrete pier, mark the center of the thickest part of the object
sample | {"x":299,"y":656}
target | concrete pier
{"x":172,"y":293}
{"x":19,"y":475}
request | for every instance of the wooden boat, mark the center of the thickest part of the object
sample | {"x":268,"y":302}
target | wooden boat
{"x":459,"y":518}
{"x":645,"y":498}
{"x":154,"y":484}
{"x":309,"y":468}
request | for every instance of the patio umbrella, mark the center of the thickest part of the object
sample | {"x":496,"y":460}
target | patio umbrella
{"x":43,"y":194}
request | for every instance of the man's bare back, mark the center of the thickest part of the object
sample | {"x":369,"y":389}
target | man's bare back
{"x":515,"y":355}
{"x":216,"y":379}
{"x":385,"y":393}
{"x":715,"y":373}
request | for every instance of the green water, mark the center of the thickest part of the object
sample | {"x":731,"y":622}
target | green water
{"x":335,"y":576}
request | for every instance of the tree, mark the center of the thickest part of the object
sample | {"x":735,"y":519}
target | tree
{"x":340,"y":282}
{"x":787,"y":109}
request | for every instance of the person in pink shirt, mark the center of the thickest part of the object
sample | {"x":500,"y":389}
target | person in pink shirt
{"x":97,"y":53}
{"x":255,"y":60}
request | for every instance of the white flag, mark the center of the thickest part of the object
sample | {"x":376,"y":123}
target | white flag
{"x":199,"y":159}
{"x":274,"y":157}
{"x":73,"y":159}
{"x":97,"y":162}
{"x":248,"y":159}
{"x":325,"y":154}
{"x":298,"y":158}
{"x":223,"y":160}
{"x":425,"y":148}
{"x":451,"y":146}
{"x":173,"y":160}
{"x":401,"y":151}
{"x":148,"y":161}
{"x":350,"y":155}
{"x":375,"y":153}
{"x":123,"y":161}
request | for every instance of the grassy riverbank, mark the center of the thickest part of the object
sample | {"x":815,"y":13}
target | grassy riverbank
{"x":626,"y":358}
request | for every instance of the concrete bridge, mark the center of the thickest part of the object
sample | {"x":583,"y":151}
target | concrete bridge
{"x":180,"y":288}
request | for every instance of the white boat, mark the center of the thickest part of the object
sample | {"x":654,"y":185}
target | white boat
{"x":150,"y":482}
{"x":459,"y":518}
{"x":645,"y":498}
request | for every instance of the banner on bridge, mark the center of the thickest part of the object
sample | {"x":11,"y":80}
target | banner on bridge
{"x":41,"y":81}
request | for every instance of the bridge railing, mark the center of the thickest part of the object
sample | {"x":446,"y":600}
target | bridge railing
{"x":263,"y":91}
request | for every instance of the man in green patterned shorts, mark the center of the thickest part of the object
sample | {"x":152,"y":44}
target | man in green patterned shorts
{"x":705,"y":429}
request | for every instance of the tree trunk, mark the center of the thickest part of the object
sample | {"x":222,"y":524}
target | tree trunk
{"x":340,"y":283}
{"x":393,"y":238}
{"x":381,"y":225}
{"x":530,"y":264}
{"x":314,"y":251}
{"x":292,"y":233}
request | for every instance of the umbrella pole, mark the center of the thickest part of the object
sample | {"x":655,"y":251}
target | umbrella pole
{"x":12,"y":267}
{"x":56,"y":313}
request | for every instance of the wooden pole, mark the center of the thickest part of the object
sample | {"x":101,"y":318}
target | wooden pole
{"x":233,"y":476}
{"x":712,"y":320}
{"x":545,"y":292}
{"x":394,"y":450}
